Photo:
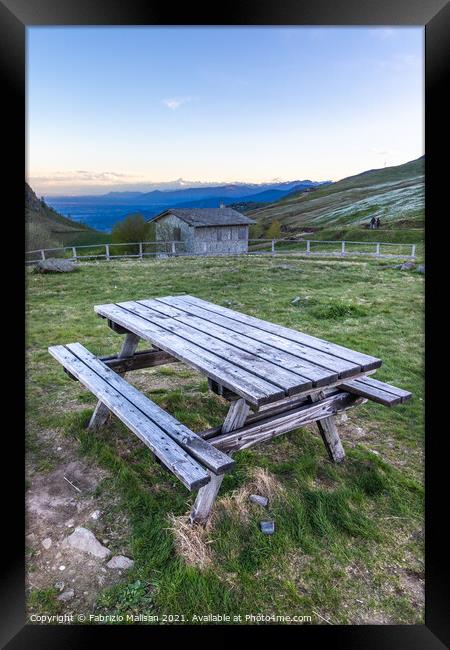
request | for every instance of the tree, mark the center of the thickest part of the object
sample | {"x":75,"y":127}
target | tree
{"x":274,"y":230}
{"x":255,"y":230}
{"x":133,"y":229}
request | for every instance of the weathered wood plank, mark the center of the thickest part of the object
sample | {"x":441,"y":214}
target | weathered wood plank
{"x":306,"y":370}
{"x":310,"y":356}
{"x":190,"y":472}
{"x":377,"y":391}
{"x":216,"y":461}
{"x":276,"y":425}
{"x":366,"y":361}
{"x":252,"y":388}
{"x":241,"y":357}
{"x":388,"y":388}
{"x":206,"y":496}
{"x":101,"y":412}
{"x":138,"y":361}
{"x":328,"y":431}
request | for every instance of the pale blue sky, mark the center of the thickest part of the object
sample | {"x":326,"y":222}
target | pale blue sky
{"x":129,"y":105}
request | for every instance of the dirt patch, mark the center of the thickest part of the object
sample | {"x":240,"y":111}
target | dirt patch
{"x":54,"y":507}
{"x":413,"y":584}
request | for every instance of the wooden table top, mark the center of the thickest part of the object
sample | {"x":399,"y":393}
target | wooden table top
{"x":256,"y":359}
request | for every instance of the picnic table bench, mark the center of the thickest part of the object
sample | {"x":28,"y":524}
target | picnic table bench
{"x":276,"y":379}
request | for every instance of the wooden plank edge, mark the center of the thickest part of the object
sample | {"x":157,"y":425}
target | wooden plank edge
{"x":190,"y":484}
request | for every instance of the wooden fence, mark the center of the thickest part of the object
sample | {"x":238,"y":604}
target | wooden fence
{"x":283,"y":247}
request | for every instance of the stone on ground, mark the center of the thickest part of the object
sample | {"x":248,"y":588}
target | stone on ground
{"x":259,"y":500}
{"x":84,"y":540}
{"x":54,"y":265}
{"x":267,"y":527}
{"x":66,"y":595}
{"x":120,"y":562}
{"x":46,"y":543}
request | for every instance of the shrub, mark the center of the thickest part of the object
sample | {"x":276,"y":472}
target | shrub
{"x":133,"y":229}
{"x":274,"y":230}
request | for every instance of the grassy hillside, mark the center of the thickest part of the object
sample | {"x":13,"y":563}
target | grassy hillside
{"x":394,"y":194}
{"x":348,"y":542}
{"x":46,"y":228}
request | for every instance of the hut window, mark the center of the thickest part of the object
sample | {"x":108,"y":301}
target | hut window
{"x":241,"y":233}
{"x":177,"y":234}
{"x":219,"y":234}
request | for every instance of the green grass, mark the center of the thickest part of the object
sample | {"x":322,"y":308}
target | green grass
{"x":44,"y":601}
{"x":346,"y":536}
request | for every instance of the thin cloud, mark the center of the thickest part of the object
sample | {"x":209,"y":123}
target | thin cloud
{"x":175,"y":102}
{"x":83,"y":176}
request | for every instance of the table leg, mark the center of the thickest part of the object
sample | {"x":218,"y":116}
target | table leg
{"x":329,"y":433}
{"x":201,"y":510}
{"x":101,"y":412}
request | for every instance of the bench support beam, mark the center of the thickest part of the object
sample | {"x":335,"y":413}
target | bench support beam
{"x":201,"y":510}
{"x":101,"y":413}
{"x":328,"y":431}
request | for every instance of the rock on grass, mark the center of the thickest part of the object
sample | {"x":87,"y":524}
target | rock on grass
{"x":84,"y":540}
{"x":53,"y":265}
{"x":120,"y":562}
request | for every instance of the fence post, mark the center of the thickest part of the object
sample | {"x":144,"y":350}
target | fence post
{"x":42,"y":254}
{"x":343,"y":249}
{"x":378,"y":250}
{"x":174,"y":250}
{"x":140,"y":249}
{"x":308,"y":247}
{"x":74,"y":253}
{"x":413,"y":250}
{"x":273,"y":246}
{"x":107,"y":251}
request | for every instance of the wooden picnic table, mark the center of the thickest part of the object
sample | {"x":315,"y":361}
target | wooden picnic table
{"x":285,"y":377}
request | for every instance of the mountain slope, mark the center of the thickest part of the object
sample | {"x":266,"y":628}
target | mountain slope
{"x":394,"y":194}
{"x":46,"y":228}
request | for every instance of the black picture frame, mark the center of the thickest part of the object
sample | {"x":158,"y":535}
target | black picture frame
{"x":15,"y":16}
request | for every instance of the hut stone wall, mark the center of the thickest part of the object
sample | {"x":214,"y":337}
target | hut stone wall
{"x":202,"y":240}
{"x":214,"y":240}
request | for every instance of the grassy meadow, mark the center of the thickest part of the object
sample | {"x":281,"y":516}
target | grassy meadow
{"x":348,"y":545}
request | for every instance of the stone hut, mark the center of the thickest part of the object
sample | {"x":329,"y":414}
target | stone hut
{"x":204,"y":231}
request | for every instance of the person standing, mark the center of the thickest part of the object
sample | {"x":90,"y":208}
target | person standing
{"x":378,"y":222}
{"x":372,"y":223}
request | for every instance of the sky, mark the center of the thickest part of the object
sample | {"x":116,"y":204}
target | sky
{"x":124,"y":107}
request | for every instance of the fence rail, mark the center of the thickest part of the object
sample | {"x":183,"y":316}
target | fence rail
{"x":255,"y":247}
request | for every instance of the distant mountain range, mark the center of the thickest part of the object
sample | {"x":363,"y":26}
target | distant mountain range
{"x":175,"y":197}
{"x":103,"y":211}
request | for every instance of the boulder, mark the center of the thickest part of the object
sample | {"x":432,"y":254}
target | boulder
{"x":54,"y":265}
{"x":120,"y":562}
{"x":84,"y":540}
{"x":407,"y":266}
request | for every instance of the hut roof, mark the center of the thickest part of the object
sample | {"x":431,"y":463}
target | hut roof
{"x":198,"y":217}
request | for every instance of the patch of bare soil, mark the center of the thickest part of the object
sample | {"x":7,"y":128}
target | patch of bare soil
{"x":413,"y":584}
{"x":54,"y":508}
